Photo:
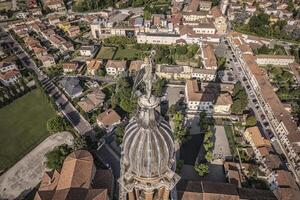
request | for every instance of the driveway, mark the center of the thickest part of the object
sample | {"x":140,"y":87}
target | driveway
{"x":27,"y":173}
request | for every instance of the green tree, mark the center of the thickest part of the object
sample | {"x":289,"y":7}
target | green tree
{"x":251,"y":121}
{"x":172,"y":110}
{"x":56,"y":157}
{"x":56,"y":124}
{"x":120,"y":130}
{"x":181,"y":50}
{"x":79,"y":143}
{"x":201,"y":169}
{"x":209,"y":156}
{"x":159,"y":86}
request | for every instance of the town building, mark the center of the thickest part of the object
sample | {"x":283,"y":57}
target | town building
{"x":78,"y":179}
{"x":198,"y":100}
{"x":208,"y":57}
{"x":223,"y":104}
{"x":108,"y":119}
{"x":179,"y":72}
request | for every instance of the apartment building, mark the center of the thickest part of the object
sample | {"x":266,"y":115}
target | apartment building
{"x":277,"y":60}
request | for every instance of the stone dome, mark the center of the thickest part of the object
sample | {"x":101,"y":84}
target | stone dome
{"x":148,"y":146}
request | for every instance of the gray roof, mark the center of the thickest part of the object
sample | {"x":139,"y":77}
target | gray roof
{"x":71,"y":85}
{"x":171,"y":69}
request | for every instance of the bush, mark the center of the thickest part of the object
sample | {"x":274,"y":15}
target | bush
{"x":56,"y":124}
{"x":56,"y":157}
{"x":201,"y":169}
{"x":250,"y":121}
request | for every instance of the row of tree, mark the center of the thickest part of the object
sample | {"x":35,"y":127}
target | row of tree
{"x":240,"y":99}
{"x":9,"y":93}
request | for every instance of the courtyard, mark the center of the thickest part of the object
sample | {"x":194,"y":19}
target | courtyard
{"x":23,"y":126}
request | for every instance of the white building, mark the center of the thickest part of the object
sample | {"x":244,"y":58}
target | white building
{"x":9,"y":73}
{"x":47,"y":60}
{"x":223,"y":104}
{"x":198,"y":101}
{"x":115,"y":67}
{"x":278,"y":60}
{"x":87,"y":51}
{"x":149,"y":38}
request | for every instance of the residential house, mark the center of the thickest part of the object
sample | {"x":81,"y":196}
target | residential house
{"x":47,"y":61}
{"x":70,"y":67}
{"x":92,"y":101}
{"x":115,"y":67}
{"x":108,"y":119}
{"x":71,"y":86}
{"x":93,"y":66}
{"x":135,"y":66}
{"x":78,"y":179}
{"x":223,"y":104}
{"x":196,"y":99}
{"x":87,"y":51}
{"x":73,"y":31}
{"x":9,"y":73}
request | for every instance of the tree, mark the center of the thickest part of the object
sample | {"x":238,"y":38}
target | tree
{"x":209,"y":156}
{"x":181,"y":50}
{"x":250,"y":121}
{"x":172,"y":110}
{"x":56,"y":157}
{"x":159,"y":86}
{"x":79,"y":143}
{"x":120,"y":130}
{"x":240,"y":99}
{"x":56,"y":124}
{"x":201,"y":169}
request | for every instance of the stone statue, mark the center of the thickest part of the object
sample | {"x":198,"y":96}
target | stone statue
{"x":148,"y":76}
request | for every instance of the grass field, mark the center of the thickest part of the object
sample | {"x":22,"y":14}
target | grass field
{"x":106,"y":53}
{"x":23,"y":126}
{"x":127,"y":54}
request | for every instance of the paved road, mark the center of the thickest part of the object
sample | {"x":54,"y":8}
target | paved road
{"x":69,"y":111}
{"x":27,"y":173}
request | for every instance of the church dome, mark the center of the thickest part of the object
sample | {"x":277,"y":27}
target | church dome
{"x":148,"y":147}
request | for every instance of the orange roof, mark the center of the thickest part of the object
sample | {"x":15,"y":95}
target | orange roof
{"x":9,"y":74}
{"x":256,"y":137}
{"x":77,"y":171}
{"x":216,"y":12}
{"x":109,"y":117}
{"x":194,"y":93}
{"x":93,"y":64}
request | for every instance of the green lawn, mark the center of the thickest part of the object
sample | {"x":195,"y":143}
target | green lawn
{"x":23,"y":126}
{"x":128,"y":53}
{"x":106,"y":53}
